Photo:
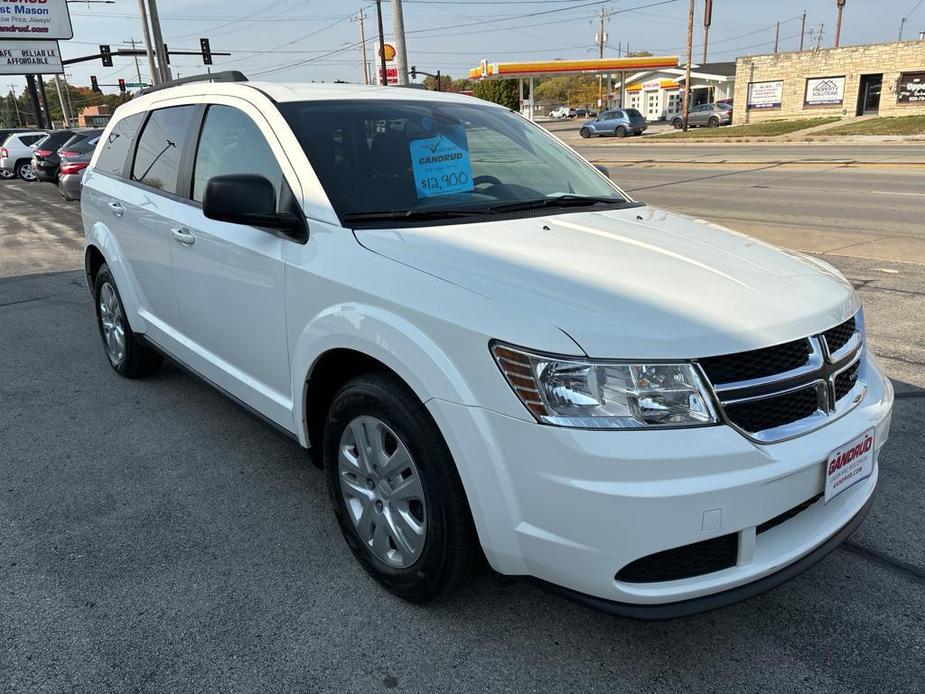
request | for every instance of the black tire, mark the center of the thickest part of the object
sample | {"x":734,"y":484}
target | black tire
{"x":713,"y":122}
{"x":677,"y":123}
{"x":450,"y":544}
{"x":620,"y":131}
{"x":138,"y":360}
{"x":585,"y":133}
{"x":24,"y":170}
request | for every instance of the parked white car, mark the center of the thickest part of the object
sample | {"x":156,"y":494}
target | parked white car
{"x":488,"y":345}
{"x":16,"y":154}
{"x":561,"y":112}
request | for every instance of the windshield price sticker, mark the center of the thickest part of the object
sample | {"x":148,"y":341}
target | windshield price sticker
{"x":848,"y":465}
{"x":441,"y":165}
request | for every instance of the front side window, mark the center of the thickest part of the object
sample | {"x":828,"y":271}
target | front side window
{"x":118,"y":144}
{"x":412,"y":159}
{"x":160,"y":148}
{"x":231,"y":143}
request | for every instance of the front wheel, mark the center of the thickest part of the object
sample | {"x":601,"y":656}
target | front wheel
{"x":5,"y":174}
{"x":677,"y":123}
{"x":395,"y":490}
{"x":127,"y":355}
{"x":585,"y":133}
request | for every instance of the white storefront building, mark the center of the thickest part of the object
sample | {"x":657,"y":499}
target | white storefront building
{"x":657,"y":93}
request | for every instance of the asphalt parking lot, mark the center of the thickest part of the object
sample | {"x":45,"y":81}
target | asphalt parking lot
{"x":156,"y":537}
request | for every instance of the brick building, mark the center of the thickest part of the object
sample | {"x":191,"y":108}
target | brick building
{"x":93,"y":117}
{"x":887,"y":79}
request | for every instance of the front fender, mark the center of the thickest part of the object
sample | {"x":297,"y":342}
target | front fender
{"x":384,"y":336}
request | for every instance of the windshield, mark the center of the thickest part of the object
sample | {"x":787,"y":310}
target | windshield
{"x":431,"y":159}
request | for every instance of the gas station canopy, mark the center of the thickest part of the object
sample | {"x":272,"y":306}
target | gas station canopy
{"x":539,"y":68}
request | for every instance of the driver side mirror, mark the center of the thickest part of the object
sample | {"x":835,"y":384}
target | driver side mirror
{"x":249,"y":199}
{"x":603,"y":169}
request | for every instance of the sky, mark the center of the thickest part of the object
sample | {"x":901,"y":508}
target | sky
{"x":314,"y":40}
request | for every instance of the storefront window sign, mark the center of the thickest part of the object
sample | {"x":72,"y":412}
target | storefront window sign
{"x":764,"y":94}
{"x":911,"y":88}
{"x":825,"y":91}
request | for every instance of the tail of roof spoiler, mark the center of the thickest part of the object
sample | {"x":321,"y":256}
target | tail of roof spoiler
{"x":226,"y":76}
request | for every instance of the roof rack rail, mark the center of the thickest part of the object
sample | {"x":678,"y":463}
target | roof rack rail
{"x":227,"y":76}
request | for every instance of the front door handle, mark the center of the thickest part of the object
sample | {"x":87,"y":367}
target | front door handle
{"x":117,"y":209}
{"x":183,"y":236}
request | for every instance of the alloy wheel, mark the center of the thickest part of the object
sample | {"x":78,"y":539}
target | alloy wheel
{"x":4,"y":173}
{"x":112,"y":320}
{"x":26,"y":173}
{"x":382,"y":491}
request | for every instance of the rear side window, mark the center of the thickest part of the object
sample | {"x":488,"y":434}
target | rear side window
{"x":116,"y":147}
{"x":160,"y":148}
{"x":28,"y":140}
{"x":231,"y":143}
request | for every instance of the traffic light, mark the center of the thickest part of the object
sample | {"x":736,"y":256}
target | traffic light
{"x":122,"y":85}
{"x":106,"y":55}
{"x":206,"y":51}
{"x":95,"y":85}
{"x":414,"y":72}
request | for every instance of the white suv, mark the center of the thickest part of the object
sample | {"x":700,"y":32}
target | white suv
{"x":16,"y":154}
{"x":488,"y":346}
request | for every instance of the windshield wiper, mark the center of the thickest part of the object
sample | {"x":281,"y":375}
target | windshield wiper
{"x":567,"y":200}
{"x":411,"y":215}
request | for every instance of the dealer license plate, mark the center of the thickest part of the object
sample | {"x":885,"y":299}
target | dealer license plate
{"x":849,"y":464}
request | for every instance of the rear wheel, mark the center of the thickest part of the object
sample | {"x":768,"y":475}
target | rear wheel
{"x":395,"y":490}
{"x":677,"y":123}
{"x":24,"y":171}
{"x":713,"y":122}
{"x":127,"y":355}
{"x":584,"y":132}
{"x":620,"y":131}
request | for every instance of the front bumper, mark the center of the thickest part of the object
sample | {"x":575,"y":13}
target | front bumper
{"x":573,"y":507}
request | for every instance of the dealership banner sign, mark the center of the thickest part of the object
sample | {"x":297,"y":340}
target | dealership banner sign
{"x":30,"y":58}
{"x":911,"y":88}
{"x":35,"y":19}
{"x":764,"y":94}
{"x":825,"y":91}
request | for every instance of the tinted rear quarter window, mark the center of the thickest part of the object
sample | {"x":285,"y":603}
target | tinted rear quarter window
{"x":118,"y":144}
{"x":160,"y":148}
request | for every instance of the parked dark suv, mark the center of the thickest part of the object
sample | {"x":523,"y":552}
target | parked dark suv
{"x":45,"y":159}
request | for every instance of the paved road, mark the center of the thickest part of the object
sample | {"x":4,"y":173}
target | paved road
{"x":155,"y":537}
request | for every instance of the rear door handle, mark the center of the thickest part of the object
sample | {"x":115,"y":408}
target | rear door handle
{"x":183,"y":236}
{"x":117,"y":209}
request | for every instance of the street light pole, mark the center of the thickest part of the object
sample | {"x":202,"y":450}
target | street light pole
{"x":707,"y":21}
{"x":146,"y":35}
{"x":802,"y":29}
{"x":159,"y":41}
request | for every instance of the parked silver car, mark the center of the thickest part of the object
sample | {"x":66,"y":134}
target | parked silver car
{"x":710,"y":115}
{"x":618,"y":122}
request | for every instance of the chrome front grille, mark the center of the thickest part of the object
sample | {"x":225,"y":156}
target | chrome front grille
{"x":787,"y":390}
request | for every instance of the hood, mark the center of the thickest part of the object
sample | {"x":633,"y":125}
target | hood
{"x":633,"y":283}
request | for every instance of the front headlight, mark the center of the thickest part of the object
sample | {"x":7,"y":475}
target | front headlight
{"x":606,"y":394}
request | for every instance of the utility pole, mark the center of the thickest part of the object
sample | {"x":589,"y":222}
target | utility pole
{"x":159,"y":48}
{"x":401,"y":51}
{"x":65,"y":112}
{"x":67,"y":94}
{"x":902,"y":23}
{"x":802,"y":29}
{"x":600,"y":54}
{"x":383,"y":75}
{"x":841,"y":6}
{"x":819,"y":32}
{"x":131,"y":42}
{"x":707,"y":21}
{"x":359,"y":18}
{"x":687,"y":68}
{"x":146,"y":35}
{"x":776,"y":37}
